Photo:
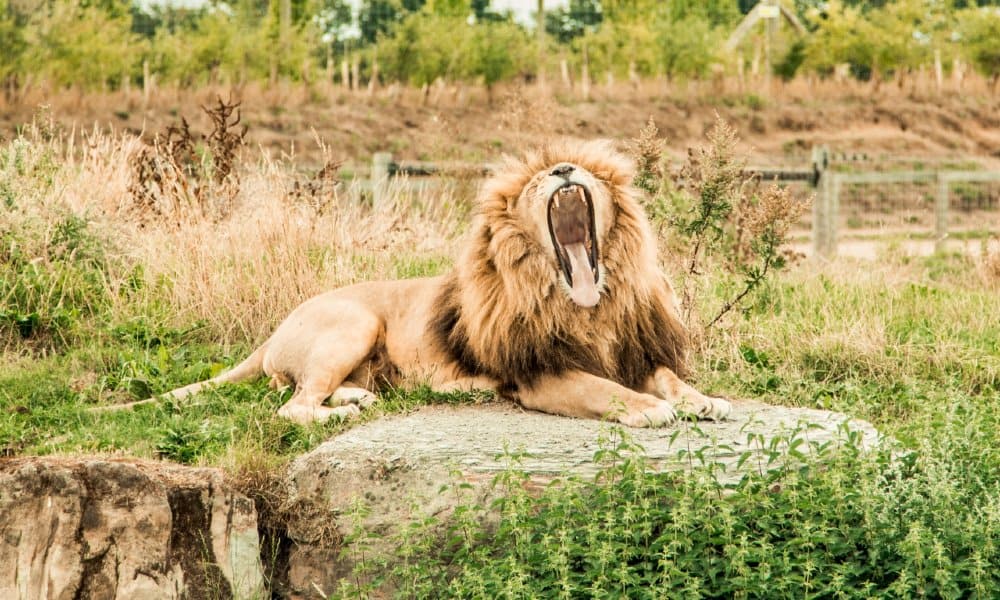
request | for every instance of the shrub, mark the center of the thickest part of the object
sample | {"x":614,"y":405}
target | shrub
{"x":718,"y":222}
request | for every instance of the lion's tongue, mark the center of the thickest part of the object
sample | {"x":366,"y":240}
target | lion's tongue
{"x":584,"y":290}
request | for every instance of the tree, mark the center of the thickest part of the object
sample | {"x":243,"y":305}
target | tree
{"x":423,"y":48}
{"x":494,"y":52}
{"x":979,"y":35}
{"x":688,"y":46}
{"x":841,"y":35}
{"x":569,"y":22}
{"x":377,"y":17}
{"x":71,"y":44}
{"x":12,"y":46}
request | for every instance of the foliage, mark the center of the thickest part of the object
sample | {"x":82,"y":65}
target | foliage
{"x":911,"y":344}
{"x":72,"y":43}
{"x":899,"y":35}
{"x":495,"y":51}
{"x":568,"y":22}
{"x":97,"y":45}
{"x":688,"y":46}
{"x":12,"y":46}
{"x":980,"y":29}
{"x":719,"y":217}
{"x":428,"y":46}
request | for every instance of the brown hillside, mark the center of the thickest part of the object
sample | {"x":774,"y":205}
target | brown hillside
{"x":459,"y":123}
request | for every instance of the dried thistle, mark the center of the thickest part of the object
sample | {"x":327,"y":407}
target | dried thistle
{"x":225,"y":139}
{"x":719,"y":215}
{"x":172,"y":184}
{"x":647,"y":149}
{"x":318,"y":192}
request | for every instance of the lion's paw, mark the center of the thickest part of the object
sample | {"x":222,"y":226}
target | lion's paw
{"x":715,"y":409}
{"x":303,"y":415}
{"x":658,"y":414}
{"x":353,"y":395}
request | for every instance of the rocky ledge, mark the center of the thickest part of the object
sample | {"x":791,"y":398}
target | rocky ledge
{"x":398,"y":465}
{"x":101,"y":528}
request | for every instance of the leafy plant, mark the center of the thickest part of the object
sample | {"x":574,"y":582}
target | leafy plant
{"x":718,"y":217}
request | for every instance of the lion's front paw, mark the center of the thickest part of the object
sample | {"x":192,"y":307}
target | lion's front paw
{"x":657,"y":414}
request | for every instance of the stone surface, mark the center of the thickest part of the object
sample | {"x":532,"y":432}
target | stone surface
{"x":79,"y":528}
{"x":398,"y":465}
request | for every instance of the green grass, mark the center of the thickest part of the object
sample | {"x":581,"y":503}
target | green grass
{"x":912,"y":345}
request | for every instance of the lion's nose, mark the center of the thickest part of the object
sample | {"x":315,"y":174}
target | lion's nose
{"x":562,"y":170}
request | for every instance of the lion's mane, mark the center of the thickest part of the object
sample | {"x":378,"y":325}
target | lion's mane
{"x":501,"y":313}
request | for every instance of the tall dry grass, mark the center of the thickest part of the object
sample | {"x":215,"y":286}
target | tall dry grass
{"x":239,"y":273}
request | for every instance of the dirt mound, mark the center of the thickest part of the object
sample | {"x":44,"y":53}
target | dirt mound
{"x":459,"y":123}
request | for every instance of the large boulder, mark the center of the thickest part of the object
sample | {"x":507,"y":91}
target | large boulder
{"x":77,"y":528}
{"x":398,"y":465}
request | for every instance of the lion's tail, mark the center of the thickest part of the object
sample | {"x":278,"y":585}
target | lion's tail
{"x":252,"y":366}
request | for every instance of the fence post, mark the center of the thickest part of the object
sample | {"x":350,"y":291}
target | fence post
{"x":381,"y":161}
{"x":941,"y":205}
{"x":821,"y":205}
{"x":147,"y":84}
{"x":833,"y":213}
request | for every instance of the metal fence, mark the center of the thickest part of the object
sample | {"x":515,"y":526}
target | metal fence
{"x":931,"y":204}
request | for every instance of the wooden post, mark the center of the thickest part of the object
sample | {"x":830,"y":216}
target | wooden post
{"x":941,"y":205}
{"x":373,"y":79}
{"x":821,"y":205}
{"x":147,"y":84}
{"x":328,"y":66}
{"x":381,"y":161}
{"x":540,"y":34}
{"x":938,"y":72}
{"x":833,"y":214}
{"x":585,"y":75}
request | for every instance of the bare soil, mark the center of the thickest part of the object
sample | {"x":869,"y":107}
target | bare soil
{"x":460,"y":123}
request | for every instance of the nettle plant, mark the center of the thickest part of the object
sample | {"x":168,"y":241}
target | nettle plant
{"x":713,"y":217}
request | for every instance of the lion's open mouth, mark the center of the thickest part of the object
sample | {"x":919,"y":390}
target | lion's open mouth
{"x":571,"y":225}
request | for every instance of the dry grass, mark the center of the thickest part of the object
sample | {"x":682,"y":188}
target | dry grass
{"x":282,"y":241}
{"x":991,"y":264}
{"x":444,"y":94}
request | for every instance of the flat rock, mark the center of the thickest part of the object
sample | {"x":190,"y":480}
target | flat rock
{"x":99,"y":528}
{"x":398,"y":465}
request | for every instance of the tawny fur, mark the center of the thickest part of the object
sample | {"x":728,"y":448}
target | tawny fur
{"x":502,"y":301}
{"x":501,"y":318}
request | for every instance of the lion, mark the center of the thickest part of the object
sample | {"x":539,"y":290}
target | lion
{"x":556,"y":302}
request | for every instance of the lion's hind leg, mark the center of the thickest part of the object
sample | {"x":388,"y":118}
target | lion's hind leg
{"x":665,"y":384}
{"x":321,"y":364}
